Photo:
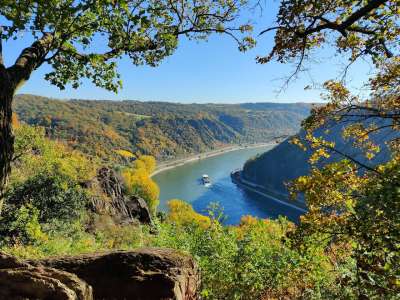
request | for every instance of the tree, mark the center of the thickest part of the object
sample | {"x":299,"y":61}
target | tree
{"x":361,"y":27}
{"x":350,"y":202}
{"x":138,"y":181}
{"x":365,"y":29}
{"x":67,"y":36}
{"x":182,"y":213}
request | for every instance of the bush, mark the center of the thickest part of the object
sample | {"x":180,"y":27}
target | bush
{"x":21,"y":226}
{"x":54,"y":196}
{"x":182,"y":213}
{"x":249,"y":261}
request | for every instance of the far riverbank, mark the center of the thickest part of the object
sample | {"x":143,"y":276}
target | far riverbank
{"x":236,"y":177}
{"x":195,"y":157}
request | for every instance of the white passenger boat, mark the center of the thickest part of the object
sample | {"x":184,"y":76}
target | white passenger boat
{"x":206,"y":180}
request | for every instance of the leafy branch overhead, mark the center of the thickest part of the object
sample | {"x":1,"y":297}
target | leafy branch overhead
{"x":355,"y":201}
{"x":359,"y":27}
{"x":366,"y":29}
{"x":85,"y":39}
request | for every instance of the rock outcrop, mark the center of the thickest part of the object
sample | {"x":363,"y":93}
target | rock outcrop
{"x":138,"y":209}
{"x":123,"y":209}
{"x":145,"y":274}
{"x":19,"y":280}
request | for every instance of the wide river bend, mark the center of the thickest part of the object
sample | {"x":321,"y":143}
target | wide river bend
{"x":184,"y":182}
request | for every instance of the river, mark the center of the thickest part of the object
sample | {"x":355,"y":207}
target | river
{"x":184,"y":182}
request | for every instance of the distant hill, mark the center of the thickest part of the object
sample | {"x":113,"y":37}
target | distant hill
{"x":286,"y":161}
{"x":164,"y":130}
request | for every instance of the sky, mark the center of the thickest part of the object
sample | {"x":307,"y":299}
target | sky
{"x":212,"y":71}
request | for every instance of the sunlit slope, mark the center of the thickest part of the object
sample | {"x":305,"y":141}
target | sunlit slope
{"x":164,"y":130}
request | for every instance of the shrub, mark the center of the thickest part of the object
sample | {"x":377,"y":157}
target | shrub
{"x":21,"y":226}
{"x":54,"y":196}
{"x":182,"y":213}
{"x":249,"y":261}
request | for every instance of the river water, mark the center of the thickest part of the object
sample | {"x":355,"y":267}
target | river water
{"x":184,"y":182}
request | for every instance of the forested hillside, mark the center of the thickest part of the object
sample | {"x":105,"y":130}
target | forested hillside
{"x":108,"y":129}
{"x":287,"y":161}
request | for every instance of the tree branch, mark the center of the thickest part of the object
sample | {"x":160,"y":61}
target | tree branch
{"x":351,"y":159}
{"x":30,"y":59}
{"x":345,"y":25}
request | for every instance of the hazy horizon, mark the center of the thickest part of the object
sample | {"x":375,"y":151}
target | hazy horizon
{"x":174,"y":102}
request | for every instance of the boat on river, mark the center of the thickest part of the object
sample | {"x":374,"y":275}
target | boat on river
{"x":206,"y":180}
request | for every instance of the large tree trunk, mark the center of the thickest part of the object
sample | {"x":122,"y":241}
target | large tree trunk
{"x":10,"y":79}
{"x":6,"y":133}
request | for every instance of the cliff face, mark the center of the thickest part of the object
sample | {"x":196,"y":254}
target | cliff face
{"x":122,"y":208}
{"x":287,"y":162}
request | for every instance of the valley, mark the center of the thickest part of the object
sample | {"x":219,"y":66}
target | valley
{"x":140,"y":158}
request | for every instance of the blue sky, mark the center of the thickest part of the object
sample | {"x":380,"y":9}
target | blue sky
{"x":213,"y":71}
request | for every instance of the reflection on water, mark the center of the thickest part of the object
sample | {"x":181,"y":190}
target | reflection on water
{"x":184,"y":182}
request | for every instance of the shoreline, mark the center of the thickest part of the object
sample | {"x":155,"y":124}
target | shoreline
{"x":236,"y":178}
{"x":196,"y":157}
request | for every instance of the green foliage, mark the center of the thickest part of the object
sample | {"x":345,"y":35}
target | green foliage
{"x":44,"y":188}
{"x":67,"y":33}
{"x":21,"y":225}
{"x":73,"y":238}
{"x":360,"y":211}
{"x":354,"y":202}
{"x":361,"y":28}
{"x":55,"y":196}
{"x":375,"y":228}
{"x":35,"y":154}
{"x":249,"y":261}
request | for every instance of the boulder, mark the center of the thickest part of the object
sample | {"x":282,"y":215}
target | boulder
{"x":8,"y":262}
{"x":144,"y":274}
{"x":19,"y":280}
{"x":139,"y":209}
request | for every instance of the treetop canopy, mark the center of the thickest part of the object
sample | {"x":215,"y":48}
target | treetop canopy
{"x":67,"y":33}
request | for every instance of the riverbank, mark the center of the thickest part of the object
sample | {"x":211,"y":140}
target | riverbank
{"x":195,"y":157}
{"x":244,"y":184}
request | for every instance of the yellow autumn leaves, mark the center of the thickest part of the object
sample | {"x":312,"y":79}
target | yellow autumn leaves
{"x":138,"y":181}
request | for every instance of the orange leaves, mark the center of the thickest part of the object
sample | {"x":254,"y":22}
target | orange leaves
{"x":14,"y":120}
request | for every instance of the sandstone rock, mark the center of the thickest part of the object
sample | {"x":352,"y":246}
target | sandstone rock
{"x":42,"y":283}
{"x":8,"y":261}
{"x":19,"y":280}
{"x":145,"y":274}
